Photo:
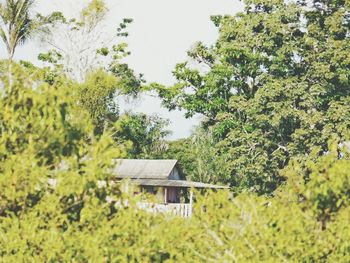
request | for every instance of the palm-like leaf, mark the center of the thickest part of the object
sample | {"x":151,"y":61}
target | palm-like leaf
{"x":16,"y":25}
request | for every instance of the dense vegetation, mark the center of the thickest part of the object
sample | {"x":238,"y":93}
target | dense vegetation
{"x":275,"y":93}
{"x":275,"y":86}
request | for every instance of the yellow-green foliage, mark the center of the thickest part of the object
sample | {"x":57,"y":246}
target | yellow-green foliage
{"x":244,"y":229}
{"x":53,"y":210}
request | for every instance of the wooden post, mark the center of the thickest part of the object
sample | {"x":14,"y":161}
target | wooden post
{"x":165,"y":195}
{"x":191,"y":202}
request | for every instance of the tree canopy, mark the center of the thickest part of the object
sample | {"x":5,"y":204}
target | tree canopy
{"x":274,"y":90}
{"x":274,"y":86}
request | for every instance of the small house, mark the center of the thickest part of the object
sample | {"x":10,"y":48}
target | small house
{"x":165,"y":180}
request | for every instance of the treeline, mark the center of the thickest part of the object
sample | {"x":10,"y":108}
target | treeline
{"x":274,"y":90}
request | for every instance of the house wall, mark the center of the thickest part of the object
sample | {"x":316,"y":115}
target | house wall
{"x":160,"y":195}
{"x":175,"y":174}
{"x":174,"y":194}
{"x":157,"y":191}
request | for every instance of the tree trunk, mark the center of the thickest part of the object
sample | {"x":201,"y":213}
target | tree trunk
{"x":9,"y":73}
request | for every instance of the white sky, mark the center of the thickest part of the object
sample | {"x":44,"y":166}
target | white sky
{"x":162,"y":32}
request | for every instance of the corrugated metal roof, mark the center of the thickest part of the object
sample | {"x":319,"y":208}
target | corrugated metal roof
{"x":143,"y":169}
{"x":176,"y":183}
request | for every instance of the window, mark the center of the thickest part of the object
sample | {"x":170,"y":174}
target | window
{"x":149,"y":189}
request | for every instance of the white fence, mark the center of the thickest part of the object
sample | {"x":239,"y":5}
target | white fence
{"x":183,"y":210}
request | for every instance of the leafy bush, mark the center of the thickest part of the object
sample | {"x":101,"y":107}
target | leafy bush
{"x":54,"y":209}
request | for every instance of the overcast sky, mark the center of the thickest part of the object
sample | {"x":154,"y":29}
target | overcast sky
{"x":162,"y":32}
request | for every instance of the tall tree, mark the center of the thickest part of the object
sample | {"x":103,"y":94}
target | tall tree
{"x":199,"y":157}
{"x":16,"y":23}
{"x":85,"y":43}
{"x":275,"y":85}
{"x":146,"y":134}
{"x":15,"y":27}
